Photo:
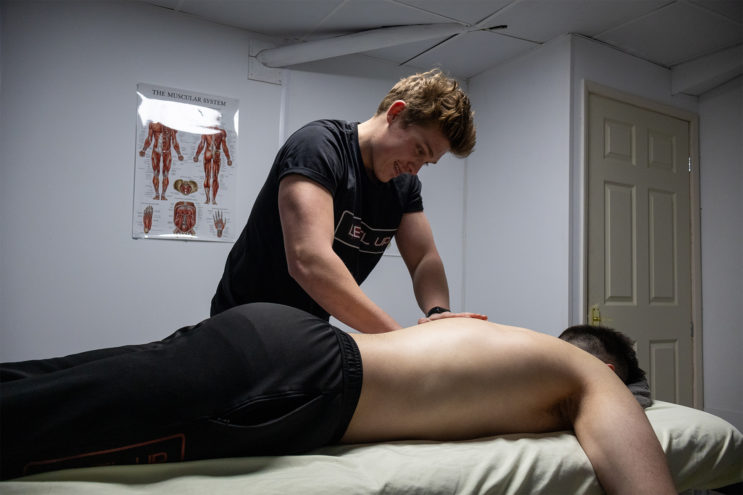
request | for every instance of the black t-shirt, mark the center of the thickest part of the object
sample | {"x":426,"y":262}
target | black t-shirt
{"x":367,"y":215}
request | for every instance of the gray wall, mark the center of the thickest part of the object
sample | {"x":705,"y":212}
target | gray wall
{"x":721,"y":183}
{"x":518,"y":192}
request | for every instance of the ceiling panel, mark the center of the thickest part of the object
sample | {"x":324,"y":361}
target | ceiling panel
{"x":538,"y":20}
{"x":286,"y":19}
{"x":674,"y":34}
{"x":468,"y":11}
{"x":733,"y":9}
{"x":474,"y":52}
{"x":402,"y":53}
{"x":369,"y":14}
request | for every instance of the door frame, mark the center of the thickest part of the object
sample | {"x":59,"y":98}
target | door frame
{"x":590,"y":88}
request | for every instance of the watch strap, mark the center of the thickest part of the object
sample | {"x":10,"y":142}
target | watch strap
{"x":436,"y":310}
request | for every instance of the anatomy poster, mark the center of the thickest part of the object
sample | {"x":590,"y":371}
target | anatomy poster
{"x":185,"y":165}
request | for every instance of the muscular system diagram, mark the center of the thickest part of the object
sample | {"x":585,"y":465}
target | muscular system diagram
{"x":162,"y":138}
{"x":168,"y":203}
{"x":212,"y":145}
{"x":184,"y":218}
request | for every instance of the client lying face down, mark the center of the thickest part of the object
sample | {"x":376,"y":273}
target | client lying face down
{"x":264,"y":379}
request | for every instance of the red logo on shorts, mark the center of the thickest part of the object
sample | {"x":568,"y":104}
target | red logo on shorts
{"x":166,"y":449}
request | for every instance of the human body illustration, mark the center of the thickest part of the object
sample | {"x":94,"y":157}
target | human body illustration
{"x":147,"y":219}
{"x":212,"y":145}
{"x":185,"y":187}
{"x":219,"y":223}
{"x":162,"y":138}
{"x":184,"y":218}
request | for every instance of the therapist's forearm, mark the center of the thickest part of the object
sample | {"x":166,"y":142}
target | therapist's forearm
{"x":327,"y":280}
{"x":429,"y":283}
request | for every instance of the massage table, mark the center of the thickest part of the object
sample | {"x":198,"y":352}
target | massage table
{"x":703,"y":452}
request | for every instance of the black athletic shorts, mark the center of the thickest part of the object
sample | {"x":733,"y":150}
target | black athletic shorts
{"x":258,"y":379}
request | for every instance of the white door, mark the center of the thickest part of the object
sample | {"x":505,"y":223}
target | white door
{"x":639,"y":244}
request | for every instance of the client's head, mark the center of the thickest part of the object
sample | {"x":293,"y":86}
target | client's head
{"x":610,"y":346}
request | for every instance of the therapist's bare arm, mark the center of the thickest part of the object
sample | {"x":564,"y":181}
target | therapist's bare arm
{"x":306,"y":210}
{"x":417,"y":247}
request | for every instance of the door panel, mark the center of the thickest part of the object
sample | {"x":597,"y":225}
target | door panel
{"x":620,"y":260}
{"x":639,"y":244}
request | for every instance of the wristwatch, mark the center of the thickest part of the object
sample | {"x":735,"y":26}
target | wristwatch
{"x":435,"y":310}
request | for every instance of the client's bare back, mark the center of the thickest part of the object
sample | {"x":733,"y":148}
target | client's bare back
{"x":461,"y":378}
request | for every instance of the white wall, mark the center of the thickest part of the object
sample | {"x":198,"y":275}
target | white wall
{"x":71,"y":276}
{"x":517,"y":244}
{"x":721,"y":183}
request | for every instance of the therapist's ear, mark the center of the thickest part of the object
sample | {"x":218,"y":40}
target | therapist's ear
{"x":395,"y":109}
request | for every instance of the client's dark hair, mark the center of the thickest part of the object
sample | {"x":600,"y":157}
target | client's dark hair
{"x":609,"y":346}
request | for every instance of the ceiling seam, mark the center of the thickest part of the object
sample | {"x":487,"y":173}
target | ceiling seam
{"x":637,"y":18}
{"x":323,"y":20}
{"x":712,"y":12}
{"x":421,"y":9}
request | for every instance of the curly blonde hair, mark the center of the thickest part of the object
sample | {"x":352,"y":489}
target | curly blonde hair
{"x":432,"y":98}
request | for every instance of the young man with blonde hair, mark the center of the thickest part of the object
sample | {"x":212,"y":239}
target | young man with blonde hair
{"x":337,"y":194}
